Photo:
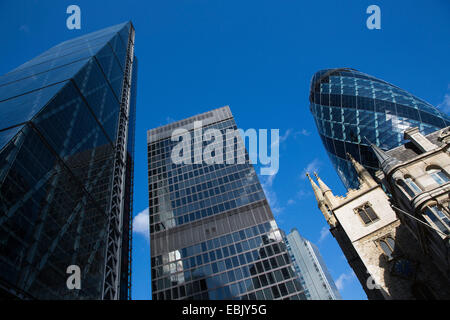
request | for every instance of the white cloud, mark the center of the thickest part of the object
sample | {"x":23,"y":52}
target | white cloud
{"x":24,"y":28}
{"x":286,"y":135}
{"x":271,"y":196}
{"x":445,"y":105}
{"x":269,"y":180}
{"x":324,"y":232}
{"x":281,"y":139}
{"x":302,"y":132}
{"x":141,"y":223}
{"x":301,"y":194}
{"x":344,"y":278}
{"x":313,"y":166}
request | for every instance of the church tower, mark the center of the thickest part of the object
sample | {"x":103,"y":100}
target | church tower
{"x":378,"y":246}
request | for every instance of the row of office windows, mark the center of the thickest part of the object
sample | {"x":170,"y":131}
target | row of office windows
{"x":161,"y":150}
{"x":345,"y":77}
{"x":178,"y":124}
{"x":227,"y":144}
{"x":241,"y":290}
{"x":214,"y":243}
{"x":222,"y":254}
{"x":205,"y":174}
{"x":218,"y":201}
{"x":362,"y":153}
{"x":220,"y":188}
{"x":373,"y":88}
{"x":195,"y":190}
{"x":344,"y":123}
{"x":164,"y":143}
{"x":225,"y":271}
{"x":201,"y":179}
{"x":205,"y":212}
{"x":366,"y":94}
{"x":235,"y":255}
{"x":208,"y":199}
{"x":229,"y":153}
{"x":220,"y":179}
{"x":327,"y":106}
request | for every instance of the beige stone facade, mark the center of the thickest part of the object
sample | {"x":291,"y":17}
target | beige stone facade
{"x":395,"y":234}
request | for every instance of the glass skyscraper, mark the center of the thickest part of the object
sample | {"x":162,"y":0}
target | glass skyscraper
{"x":352,"y":109}
{"x":212,"y":233}
{"x":66,"y":169}
{"x":309,"y":264}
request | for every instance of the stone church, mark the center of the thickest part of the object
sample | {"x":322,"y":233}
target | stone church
{"x":394,"y":229}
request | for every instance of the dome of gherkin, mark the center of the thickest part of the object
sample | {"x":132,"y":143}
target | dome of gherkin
{"x":352,"y":109}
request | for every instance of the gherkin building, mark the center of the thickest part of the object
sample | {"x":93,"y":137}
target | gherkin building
{"x":353,"y":110}
{"x":66,"y":170}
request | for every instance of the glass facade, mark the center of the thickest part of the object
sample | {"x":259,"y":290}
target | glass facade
{"x":352,"y":109}
{"x":59,"y":115}
{"x":309,"y":264}
{"x":213,"y":235}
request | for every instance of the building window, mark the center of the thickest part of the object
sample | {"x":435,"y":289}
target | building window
{"x":412,"y":184}
{"x":439,"y":217}
{"x":406,"y":187}
{"x":387,"y":245}
{"x":438,"y":175}
{"x":366,"y":213}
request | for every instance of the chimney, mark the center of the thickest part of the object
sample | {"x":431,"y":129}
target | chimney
{"x":419,"y":140}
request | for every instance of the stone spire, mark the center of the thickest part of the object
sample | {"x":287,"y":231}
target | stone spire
{"x":322,"y":184}
{"x":363,"y":175}
{"x":330,"y":200}
{"x":317,"y":192}
{"x":386,"y":161}
{"x":322,"y":201}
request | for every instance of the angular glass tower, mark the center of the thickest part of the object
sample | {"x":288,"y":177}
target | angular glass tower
{"x":213,"y":235}
{"x":66,"y":169}
{"x":311,"y":267}
{"x":352,"y":109}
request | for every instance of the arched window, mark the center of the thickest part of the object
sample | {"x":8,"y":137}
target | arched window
{"x":406,"y":187}
{"x":387,"y":245}
{"x":438,"y":175}
{"x":366,"y":213}
{"x":412,"y":184}
{"x":439,"y":217}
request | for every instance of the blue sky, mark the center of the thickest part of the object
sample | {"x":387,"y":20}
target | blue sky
{"x":257,"y":57}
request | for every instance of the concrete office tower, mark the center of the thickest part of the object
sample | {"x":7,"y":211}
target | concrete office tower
{"x":312,"y":268}
{"x":212,"y":232}
{"x":352,"y":110}
{"x":66,"y":169}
